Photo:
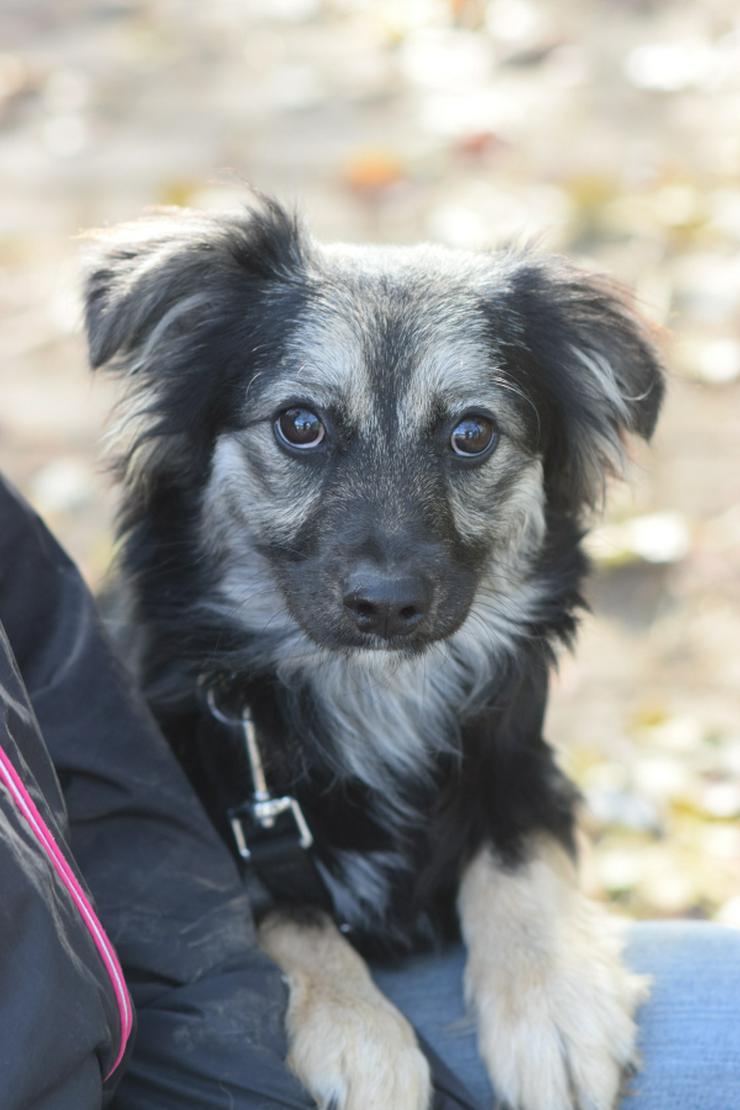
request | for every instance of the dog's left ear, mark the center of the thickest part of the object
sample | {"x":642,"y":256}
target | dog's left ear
{"x":592,"y":367}
{"x":173,"y":267}
{"x":180,"y":304}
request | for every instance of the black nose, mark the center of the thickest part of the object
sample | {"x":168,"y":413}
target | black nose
{"x":386,"y":604}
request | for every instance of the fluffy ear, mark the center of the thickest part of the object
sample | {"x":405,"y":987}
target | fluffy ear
{"x":177,"y":303}
{"x":593,"y":369}
{"x":166,"y":271}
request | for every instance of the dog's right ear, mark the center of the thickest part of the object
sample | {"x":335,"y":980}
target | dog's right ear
{"x":592,"y":366}
{"x":166,"y":270}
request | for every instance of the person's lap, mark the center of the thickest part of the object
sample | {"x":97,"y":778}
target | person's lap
{"x":689,"y":1028}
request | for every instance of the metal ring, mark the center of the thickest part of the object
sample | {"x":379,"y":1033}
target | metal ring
{"x":217,"y":712}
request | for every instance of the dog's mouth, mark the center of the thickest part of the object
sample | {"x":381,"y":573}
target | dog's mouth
{"x":408,"y":645}
{"x":344,"y":640}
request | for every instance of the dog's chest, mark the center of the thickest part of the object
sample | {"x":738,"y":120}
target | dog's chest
{"x":388,"y":735}
{"x":387,"y":725}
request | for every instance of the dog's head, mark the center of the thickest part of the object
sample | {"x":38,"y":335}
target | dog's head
{"x":372,"y":437}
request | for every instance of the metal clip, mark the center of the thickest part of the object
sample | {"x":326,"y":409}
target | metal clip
{"x":264,"y":814}
{"x":262,"y":810}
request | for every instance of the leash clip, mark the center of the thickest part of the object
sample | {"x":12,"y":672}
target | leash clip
{"x":262,"y":813}
{"x":266,"y":814}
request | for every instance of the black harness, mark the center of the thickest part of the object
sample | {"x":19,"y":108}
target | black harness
{"x":271,"y":835}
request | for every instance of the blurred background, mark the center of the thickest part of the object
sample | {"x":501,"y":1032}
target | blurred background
{"x":607,"y":129}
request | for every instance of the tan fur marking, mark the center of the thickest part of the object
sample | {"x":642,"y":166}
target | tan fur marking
{"x":554,"y":1003}
{"x":348,"y":1045}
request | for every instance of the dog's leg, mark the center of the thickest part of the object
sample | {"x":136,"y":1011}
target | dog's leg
{"x":554,"y":1004}
{"x":349,"y":1046}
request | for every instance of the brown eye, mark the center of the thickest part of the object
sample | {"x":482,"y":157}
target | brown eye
{"x":474,"y":435}
{"x":301,"y":428}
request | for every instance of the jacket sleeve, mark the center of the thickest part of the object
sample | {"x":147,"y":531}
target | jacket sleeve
{"x":65,"y":1015}
{"x":210,"y":1006}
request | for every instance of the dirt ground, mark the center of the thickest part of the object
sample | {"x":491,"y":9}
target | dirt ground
{"x":607,"y":130}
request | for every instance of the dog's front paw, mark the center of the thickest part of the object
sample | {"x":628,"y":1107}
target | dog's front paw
{"x":562,"y":1035}
{"x":354,"y":1051}
{"x":555,"y":1005}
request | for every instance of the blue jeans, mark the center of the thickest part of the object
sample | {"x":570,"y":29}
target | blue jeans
{"x":689,"y":1028}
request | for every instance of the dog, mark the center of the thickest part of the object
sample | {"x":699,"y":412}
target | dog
{"x":356,"y":481}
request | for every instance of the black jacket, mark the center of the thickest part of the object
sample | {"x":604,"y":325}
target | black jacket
{"x":115,"y":825}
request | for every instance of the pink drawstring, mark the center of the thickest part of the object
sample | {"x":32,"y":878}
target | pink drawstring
{"x":9,"y":776}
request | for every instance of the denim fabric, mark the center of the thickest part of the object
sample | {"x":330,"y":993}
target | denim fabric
{"x":689,"y":1028}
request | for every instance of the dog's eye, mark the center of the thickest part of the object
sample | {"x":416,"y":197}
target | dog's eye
{"x":474,"y":435}
{"x":301,"y":428}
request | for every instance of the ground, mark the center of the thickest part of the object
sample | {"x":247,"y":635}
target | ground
{"x":607,"y":130}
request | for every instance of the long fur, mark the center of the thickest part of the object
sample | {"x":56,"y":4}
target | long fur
{"x":406,"y":761}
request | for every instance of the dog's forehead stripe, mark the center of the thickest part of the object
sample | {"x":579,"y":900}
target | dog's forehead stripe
{"x":388,"y":358}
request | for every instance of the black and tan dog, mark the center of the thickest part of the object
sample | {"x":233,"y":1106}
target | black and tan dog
{"x":356,"y":485}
